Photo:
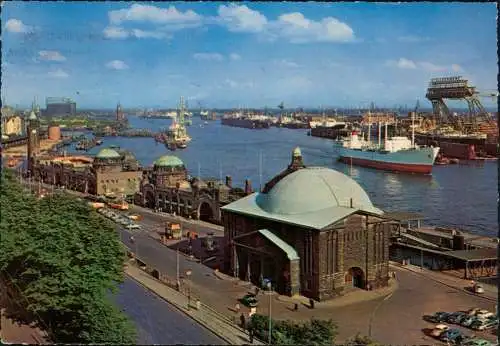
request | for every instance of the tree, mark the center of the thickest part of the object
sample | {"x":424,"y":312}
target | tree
{"x":62,"y":258}
{"x":361,"y":340}
{"x":314,"y":332}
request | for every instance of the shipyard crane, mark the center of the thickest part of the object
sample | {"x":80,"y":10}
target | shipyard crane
{"x":457,"y":88}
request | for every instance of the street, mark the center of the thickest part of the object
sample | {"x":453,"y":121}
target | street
{"x":157,"y":321}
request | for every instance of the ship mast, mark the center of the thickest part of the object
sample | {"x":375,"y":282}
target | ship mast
{"x":369,"y":127}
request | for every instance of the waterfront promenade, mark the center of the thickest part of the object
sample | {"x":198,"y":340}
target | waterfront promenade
{"x":376,"y":313}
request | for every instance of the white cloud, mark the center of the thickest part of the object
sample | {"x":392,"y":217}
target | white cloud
{"x":234,"y":56}
{"x":115,"y":32}
{"x":58,"y":74}
{"x":404,"y":63}
{"x":286,"y":63}
{"x":148,"y":34}
{"x":291,"y":26}
{"x":298,"y":29}
{"x":15,"y":25}
{"x":208,"y":56}
{"x":51,"y":55}
{"x":117,"y":65}
{"x":153,"y":14}
{"x":241,"y":18}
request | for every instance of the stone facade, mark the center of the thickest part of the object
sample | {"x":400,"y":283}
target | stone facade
{"x":351,"y":252}
{"x":170,"y":189}
{"x":96,"y":176}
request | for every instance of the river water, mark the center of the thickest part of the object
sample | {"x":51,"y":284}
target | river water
{"x":462,"y":196}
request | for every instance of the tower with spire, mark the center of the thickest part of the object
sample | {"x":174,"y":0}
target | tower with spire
{"x":120,"y":117}
{"x":33,"y":136}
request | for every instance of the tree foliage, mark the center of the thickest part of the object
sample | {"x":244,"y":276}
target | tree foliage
{"x":314,"y":332}
{"x":63,"y":259}
{"x":362,"y":340}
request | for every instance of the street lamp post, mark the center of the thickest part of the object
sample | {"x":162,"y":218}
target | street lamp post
{"x":270,"y":301}
{"x":188,"y":274}
{"x":178,"y":283}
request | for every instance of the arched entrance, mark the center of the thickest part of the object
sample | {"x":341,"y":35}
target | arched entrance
{"x":205,"y":212}
{"x":355,"y":278}
{"x":150,"y":199}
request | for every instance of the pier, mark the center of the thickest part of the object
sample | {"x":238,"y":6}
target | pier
{"x":126,"y":133}
{"x":449,"y":250}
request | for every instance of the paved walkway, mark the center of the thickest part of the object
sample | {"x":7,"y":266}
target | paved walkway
{"x":212,"y":320}
{"x":490,"y":291}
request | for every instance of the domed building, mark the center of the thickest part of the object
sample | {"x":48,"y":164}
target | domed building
{"x":109,"y":172}
{"x":311,"y":231}
{"x":167,"y":187}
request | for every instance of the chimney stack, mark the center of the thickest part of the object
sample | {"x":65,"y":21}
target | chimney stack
{"x":248,"y":187}
{"x":229,"y":181}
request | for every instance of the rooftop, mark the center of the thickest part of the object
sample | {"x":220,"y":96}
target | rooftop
{"x":312,"y":197}
{"x":169,"y":161}
{"x":108,"y":153}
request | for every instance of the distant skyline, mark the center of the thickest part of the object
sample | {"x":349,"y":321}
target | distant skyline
{"x":223,"y":55}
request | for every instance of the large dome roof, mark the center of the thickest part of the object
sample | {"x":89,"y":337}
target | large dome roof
{"x":107,"y":153}
{"x":312,"y":189}
{"x":168,"y":161}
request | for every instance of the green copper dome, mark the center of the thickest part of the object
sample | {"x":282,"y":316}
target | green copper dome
{"x":168,"y":161}
{"x":312,"y":189}
{"x":107,"y":153}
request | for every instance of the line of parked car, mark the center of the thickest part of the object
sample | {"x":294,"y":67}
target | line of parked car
{"x":476,"y":319}
{"x":126,"y":221}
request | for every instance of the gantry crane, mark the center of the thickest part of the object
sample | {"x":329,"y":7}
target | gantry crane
{"x":457,"y":88}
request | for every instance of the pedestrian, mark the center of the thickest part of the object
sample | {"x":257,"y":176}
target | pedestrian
{"x":311,"y":303}
{"x":296,"y":307}
{"x":242,"y":320}
{"x":256,"y":291}
{"x":237,"y":308}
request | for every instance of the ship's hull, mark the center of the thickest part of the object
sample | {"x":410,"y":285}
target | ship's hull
{"x":418,"y":161}
{"x":245,"y":123}
{"x":486,"y":145}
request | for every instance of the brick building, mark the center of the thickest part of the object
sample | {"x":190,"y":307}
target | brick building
{"x":110,"y":172}
{"x":312,"y":231}
{"x":167,"y":187}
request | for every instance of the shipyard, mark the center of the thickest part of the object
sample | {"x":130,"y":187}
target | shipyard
{"x":327,"y":179}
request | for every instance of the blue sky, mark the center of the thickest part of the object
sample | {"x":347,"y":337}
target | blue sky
{"x":244,"y":54}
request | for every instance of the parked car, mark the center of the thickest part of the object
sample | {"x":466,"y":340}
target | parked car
{"x":438,"y":330}
{"x":249,"y":300}
{"x":468,"y":320}
{"x":473,"y":311}
{"x":437,"y":317}
{"x":133,"y":226}
{"x":478,"y":288}
{"x":484,"y":324}
{"x":453,"y":336}
{"x":477,"y":342}
{"x":457,"y":317}
{"x":483,"y":313}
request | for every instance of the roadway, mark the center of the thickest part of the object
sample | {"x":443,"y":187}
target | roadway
{"x":157,"y":321}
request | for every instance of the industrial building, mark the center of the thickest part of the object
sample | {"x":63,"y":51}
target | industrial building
{"x":59,"y":106}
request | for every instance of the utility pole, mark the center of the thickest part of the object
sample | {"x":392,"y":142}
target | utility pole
{"x":177,"y":265}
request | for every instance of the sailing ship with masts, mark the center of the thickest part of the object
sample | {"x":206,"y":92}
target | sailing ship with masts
{"x":176,"y":136}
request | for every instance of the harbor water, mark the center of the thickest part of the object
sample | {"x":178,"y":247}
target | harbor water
{"x":463,"y":196}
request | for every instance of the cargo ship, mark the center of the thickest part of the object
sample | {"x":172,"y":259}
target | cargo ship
{"x":398,"y":154}
{"x":247,"y":122}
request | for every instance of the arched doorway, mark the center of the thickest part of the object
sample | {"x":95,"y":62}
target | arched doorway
{"x":355,"y":277}
{"x":150,"y":199}
{"x":205,"y":212}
